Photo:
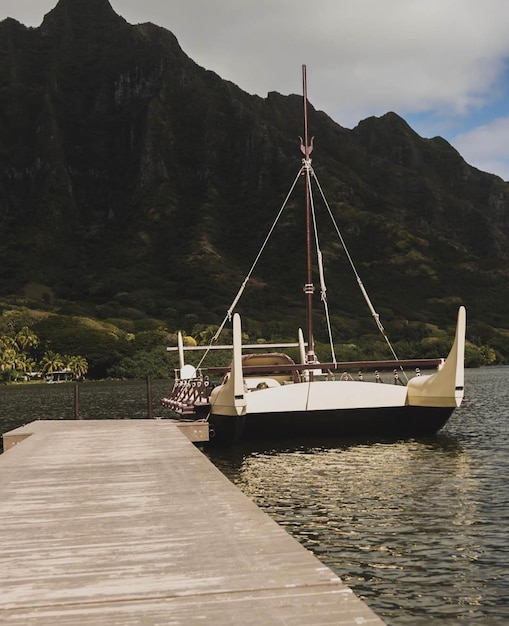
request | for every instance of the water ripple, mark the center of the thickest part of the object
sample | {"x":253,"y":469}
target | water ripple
{"x":418,"y":528}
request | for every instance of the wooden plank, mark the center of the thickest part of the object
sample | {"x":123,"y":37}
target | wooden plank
{"x":126,"y":522}
{"x":196,"y":431}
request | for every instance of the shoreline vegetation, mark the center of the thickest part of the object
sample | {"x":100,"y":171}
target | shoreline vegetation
{"x":41,"y":345}
{"x":132,"y":202}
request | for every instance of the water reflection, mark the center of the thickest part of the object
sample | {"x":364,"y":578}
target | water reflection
{"x":383,"y":515}
{"x":417,"y":528}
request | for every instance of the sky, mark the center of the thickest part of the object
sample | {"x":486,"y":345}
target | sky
{"x":442,"y":65}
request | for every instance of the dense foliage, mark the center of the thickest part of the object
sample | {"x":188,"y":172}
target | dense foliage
{"x":40,"y":342}
{"x":20,"y":359}
{"x":136,"y":189}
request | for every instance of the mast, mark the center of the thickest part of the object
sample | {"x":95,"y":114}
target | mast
{"x":309,"y":289}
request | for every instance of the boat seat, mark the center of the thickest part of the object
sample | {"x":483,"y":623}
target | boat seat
{"x":254,"y":383}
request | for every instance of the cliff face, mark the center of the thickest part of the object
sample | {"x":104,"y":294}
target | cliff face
{"x":128,"y":174}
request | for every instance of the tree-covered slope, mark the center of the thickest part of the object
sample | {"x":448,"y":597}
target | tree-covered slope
{"x":134,"y":183}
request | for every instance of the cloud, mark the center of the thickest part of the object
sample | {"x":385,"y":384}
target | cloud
{"x":26,"y":12}
{"x":487,"y":147}
{"x":442,"y":62}
{"x":364,"y":56}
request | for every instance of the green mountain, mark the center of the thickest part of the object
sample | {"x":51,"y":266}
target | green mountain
{"x":135,"y":184}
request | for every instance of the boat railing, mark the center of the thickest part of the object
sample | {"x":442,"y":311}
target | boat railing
{"x":333,"y":367}
{"x":229,"y":346}
{"x":188,"y":394}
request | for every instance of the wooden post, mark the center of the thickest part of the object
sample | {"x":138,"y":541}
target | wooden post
{"x":77,"y":402}
{"x":149,"y":398}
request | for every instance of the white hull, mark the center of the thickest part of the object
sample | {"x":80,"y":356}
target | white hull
{"x":310,"y":396}
{"x":333,"y":402}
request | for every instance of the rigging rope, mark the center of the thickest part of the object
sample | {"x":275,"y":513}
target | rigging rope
{"x":309,"y":172}
{"x":372,"y":309}
{"x":323,"y":288}
{"x":248,"y":276}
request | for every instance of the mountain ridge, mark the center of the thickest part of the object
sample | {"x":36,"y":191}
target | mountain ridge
{"x":131,"y":178}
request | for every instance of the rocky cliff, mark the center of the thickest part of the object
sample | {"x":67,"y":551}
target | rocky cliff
{"x":133,"y":179}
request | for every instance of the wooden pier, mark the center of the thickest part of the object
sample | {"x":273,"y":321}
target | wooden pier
{"x":126,"y":522}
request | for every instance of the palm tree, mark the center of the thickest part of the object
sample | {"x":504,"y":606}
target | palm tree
{"x":6,"y":342}
{"x":26,"y":339}
{"x":51,"y":362}
{"x":8,"y":361}
{"x":24,"y":363}
{"x":78,"y":366}
{"x":12,"y":361}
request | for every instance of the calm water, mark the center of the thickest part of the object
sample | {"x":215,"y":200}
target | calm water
{"x":419,"y":528}
{"x":20,"y":404}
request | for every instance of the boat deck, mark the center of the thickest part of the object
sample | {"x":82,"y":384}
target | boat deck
{"x":127,"y":522}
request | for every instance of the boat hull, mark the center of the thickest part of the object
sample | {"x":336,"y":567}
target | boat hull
{"x":387,"y":422}
{"x":247,"y":408}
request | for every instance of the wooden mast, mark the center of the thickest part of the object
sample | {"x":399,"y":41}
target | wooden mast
{"x":309,"y":289}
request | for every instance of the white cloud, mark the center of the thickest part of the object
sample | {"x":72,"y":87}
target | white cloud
{"x":365,"y":57}
{"x":487,"y":147}
{"x":437,"y":59}
{"x":28,"y":13}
